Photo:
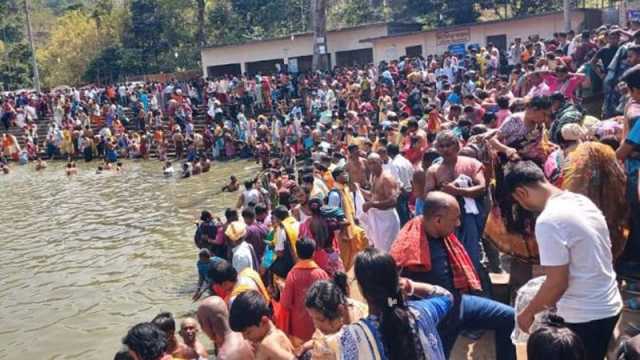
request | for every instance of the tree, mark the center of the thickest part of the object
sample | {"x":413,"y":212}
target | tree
{"x":319,"y":10}
{"x":69,"y":50}
{"x":15,"y":69}
{"x":201,"y":8}
{"x":354,"y":12}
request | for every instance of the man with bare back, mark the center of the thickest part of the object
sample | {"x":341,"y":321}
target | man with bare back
{"x":380,"y":219}
{"x":420,"y":177}
{"x":356,"y":168}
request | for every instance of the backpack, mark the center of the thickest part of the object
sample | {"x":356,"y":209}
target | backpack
{"x":198,"y":238}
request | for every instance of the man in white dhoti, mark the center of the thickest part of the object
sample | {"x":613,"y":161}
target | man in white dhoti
{"x":380,"y":219}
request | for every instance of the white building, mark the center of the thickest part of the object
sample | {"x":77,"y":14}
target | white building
{"x":344,"y":48}
{"x":372,"y":43}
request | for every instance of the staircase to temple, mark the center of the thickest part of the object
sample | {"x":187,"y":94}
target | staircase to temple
{"x":199,"y":124}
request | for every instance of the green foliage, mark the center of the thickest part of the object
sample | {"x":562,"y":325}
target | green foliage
{"x":112,"y":39}
{"x":354,"y":12}
{"x":15,"y":67}
{"x":15,"y":56}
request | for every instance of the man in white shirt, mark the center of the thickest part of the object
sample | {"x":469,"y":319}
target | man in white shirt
{"x":575,"y":251}
{"x":515,"y":51}
{"x":243,"y":255}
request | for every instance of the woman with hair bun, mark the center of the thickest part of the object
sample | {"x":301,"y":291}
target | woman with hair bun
{"x":395,"y":329}
{"x":329,"y":306}
{"x":554,"y":341}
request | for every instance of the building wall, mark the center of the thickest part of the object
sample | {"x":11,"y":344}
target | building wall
{"x":393,"y":47}
{"x":295,"y":46}
{"x":385,"y":48}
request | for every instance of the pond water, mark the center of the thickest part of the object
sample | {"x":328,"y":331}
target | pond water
{"x":84,"y":258}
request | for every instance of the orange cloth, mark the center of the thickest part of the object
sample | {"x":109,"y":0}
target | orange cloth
{"x":411,"y":250}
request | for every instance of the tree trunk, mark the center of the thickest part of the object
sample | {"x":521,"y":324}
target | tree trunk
{"x":319,"y":23}
{"x":200,"y":37}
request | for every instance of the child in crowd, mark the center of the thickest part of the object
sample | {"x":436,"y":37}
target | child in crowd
{"x":251,"y":316}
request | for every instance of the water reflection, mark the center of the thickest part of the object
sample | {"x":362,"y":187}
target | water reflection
{"x":83,"y":258}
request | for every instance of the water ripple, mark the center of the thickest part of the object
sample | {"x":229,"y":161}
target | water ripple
{"x":84,"y":258}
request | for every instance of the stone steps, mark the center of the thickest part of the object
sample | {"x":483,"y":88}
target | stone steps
{"x":199,"y":122}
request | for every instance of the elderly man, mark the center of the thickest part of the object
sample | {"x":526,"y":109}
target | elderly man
{"x":427,"y":250}
{"x":462,"y":177}
{"x":380,"y":219}
{"x":213,"y":317}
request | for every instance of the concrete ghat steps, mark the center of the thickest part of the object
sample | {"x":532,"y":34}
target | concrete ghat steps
{"x":199,"y":122}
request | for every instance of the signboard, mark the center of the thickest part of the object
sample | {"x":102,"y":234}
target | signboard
{"x":457,"y":49}
{"x":453,"y":37}
{"x":633,"y":15}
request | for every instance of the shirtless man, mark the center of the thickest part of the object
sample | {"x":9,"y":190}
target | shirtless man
{"x":251,"y":316}
{"x":71,"y":169}
{"x":357,"y":168}
{"x":178,"y":140}
{"x":446,"y":175}
{"x":419,"y":179}
{"x":213,"y":317}
{"x":380,"y":220}
{"x":462,"y":177}
{"x":232,"y":186}
{"x":165,"y":322}
{"x":194,"y":349}
{"x":40,"y":164}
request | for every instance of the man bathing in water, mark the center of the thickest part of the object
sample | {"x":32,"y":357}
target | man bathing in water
{"x":213,"y":316}
{"x":380,"y":220}
{"x":232,"y":186}
{"x":193,"y":349}
{"x":40,"y":164}
{"x":71,"y":169}
{"x":167,"y":169}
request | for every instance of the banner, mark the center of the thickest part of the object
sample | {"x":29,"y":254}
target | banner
{"x":453,"y":37}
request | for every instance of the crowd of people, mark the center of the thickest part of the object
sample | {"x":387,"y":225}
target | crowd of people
{"x":418,"y":175}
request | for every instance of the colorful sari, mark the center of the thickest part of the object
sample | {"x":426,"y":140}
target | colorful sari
{"x":363,"y":340}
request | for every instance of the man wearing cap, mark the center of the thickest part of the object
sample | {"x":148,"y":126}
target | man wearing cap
{"x":243,"y":255}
